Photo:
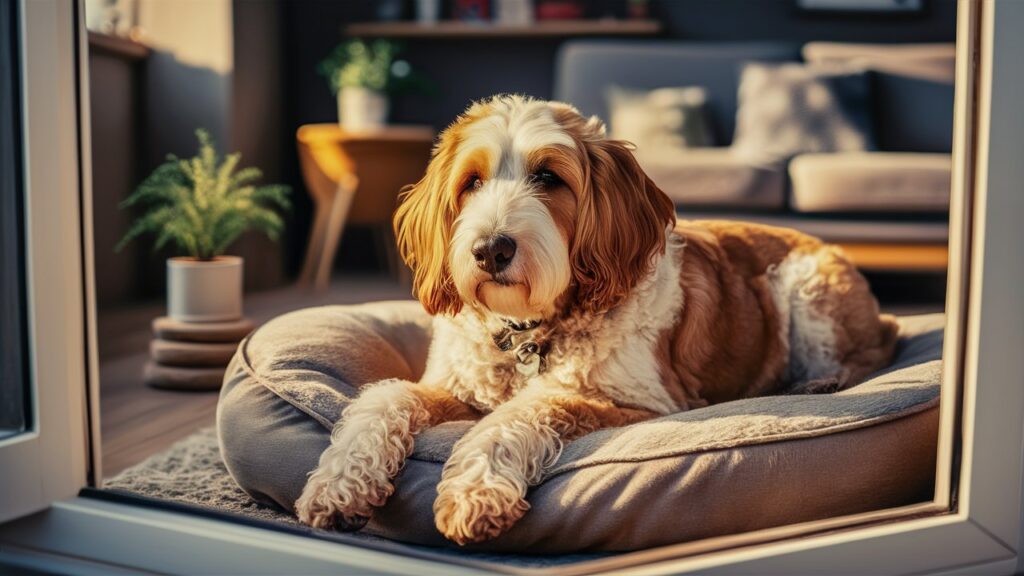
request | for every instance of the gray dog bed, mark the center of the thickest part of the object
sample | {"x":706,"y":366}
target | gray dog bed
{"x":720,"y":470}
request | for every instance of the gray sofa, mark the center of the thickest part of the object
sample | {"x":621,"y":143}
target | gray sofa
{"x":897,"y":193}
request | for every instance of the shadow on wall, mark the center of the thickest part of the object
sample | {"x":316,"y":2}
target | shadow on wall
{"x":180,"y":98}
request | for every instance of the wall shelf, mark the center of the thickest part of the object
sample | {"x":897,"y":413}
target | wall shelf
{"x":449,"y":29}
{"x":118,"y":46}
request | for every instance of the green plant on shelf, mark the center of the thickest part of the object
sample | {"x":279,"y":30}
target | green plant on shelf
{"x":203,"y":204}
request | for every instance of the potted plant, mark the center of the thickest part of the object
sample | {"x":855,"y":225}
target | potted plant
{"x":202,"y":205}
{"x":362,"y":75}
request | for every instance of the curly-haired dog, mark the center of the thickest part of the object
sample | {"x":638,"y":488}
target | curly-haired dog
{"x":568,"y":299}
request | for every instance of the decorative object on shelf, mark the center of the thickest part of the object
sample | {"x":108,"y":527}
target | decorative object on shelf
{"x":362,"y":74}
{"x":514,"y":12}
{"x":201,"y":205}
{"x":559,"y":9}
{"x":428,"y":11}
{"x":472,"y":10}
{"x":637,"y":9}
{"x":113,"y":17}
{"x":389,"y":10}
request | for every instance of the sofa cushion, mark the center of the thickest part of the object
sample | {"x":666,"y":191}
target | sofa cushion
{"x":870,"y":182}
{"x":715,"y":177}
{"x":584,"y":69}
{"x":789,"y":109}
{"x":912,"y":90}
{"x":660,"y":119}
{"x":724,"y":469}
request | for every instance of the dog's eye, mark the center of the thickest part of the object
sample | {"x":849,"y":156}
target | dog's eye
{"x":545,"y":178}
{"x":473,"y":183}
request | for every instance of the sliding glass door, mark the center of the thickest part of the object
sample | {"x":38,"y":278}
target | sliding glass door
{"x":15,"y":407}
{"x":43,"y":356}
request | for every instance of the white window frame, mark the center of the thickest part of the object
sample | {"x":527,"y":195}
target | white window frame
{"x":973,"y":527}
{"x":48,"y":461}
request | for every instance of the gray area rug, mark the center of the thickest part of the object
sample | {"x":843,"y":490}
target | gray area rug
{"x":192,"y":473}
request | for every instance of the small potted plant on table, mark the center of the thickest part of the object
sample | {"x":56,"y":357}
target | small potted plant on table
{"x":202,"y":205}
{"x":362,"y":74}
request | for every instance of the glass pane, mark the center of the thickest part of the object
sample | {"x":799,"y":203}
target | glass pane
{"x":14,"y":398}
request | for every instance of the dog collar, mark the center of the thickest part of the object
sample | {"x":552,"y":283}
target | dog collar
{"x":525,"y":343}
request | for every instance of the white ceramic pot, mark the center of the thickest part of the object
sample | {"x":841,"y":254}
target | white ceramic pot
{"x":204,"y":291}
{"x":362,"y":108}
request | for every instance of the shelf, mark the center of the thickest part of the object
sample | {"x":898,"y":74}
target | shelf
{"x":549,"y":28}
{"x":118,"y":46}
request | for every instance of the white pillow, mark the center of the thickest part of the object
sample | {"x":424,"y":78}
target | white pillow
{"x":660,"y":119}
{"x":790,"y":109}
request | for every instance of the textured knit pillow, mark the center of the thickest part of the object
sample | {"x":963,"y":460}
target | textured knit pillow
{"x":790,"y":109}
{"x":656,"y":120}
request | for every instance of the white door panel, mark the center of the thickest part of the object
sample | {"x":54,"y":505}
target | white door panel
{"x":47,"y":461}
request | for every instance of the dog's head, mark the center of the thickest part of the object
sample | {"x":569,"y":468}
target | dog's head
{"x":528,"y":208}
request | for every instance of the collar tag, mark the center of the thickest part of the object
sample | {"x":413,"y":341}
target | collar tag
{"x":529,"y":353}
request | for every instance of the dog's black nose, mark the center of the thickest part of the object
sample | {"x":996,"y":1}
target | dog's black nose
{"x":494,"y":254}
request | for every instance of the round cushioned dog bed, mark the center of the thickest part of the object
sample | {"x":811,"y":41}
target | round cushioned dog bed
{"x":720,"y":470}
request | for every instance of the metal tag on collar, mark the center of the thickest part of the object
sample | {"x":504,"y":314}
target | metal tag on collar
{"x":522,"y":326}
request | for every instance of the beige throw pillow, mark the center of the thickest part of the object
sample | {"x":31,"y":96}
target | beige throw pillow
{"x":661,"y":119}
{"x":790,"y":109}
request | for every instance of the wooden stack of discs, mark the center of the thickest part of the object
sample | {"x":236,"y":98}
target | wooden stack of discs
{"x":192,"y":355}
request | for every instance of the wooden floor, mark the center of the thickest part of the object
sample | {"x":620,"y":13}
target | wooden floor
{"x":136,"y":420}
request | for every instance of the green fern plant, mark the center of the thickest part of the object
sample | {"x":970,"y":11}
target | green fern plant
{"x":204,"y":203}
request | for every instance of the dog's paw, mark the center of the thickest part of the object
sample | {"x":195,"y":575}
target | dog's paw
{"x":342,"y":503}
{"x":477,"y":511}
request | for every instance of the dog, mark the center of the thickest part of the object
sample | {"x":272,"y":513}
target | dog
{"x":567,"y":298}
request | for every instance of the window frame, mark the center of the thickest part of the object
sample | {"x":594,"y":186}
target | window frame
{"x":48,"y":460}
{"x":14,"y":329}
{"x":974,"y":525}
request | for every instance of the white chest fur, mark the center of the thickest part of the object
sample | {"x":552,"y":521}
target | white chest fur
{"x":611,"y":354}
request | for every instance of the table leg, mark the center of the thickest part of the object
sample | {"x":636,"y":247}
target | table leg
{"x":335,"y":226}
{"x":315,"y":248}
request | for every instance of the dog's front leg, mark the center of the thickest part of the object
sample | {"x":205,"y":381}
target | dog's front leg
{"x":483,"y":486}
{"x":368,"y":447}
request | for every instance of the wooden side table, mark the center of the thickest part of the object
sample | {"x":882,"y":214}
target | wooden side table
{"x":355,"y":178}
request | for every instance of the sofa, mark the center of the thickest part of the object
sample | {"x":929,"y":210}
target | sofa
{"x":894,"y":196}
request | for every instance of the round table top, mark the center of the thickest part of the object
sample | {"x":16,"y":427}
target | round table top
{"x":319,"y":133}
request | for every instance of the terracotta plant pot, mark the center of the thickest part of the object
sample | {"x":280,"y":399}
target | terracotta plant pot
{"x":362,"y":108}
{"x":204,"y":290}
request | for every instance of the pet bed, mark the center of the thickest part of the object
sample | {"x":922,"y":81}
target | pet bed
{"x":725,"y":469}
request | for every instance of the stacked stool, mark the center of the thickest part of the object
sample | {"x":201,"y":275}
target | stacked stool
{"x":192,"y":355}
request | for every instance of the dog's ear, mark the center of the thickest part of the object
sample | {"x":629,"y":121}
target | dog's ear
{"x":423,"y":228}
{"x":622,"y":218}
